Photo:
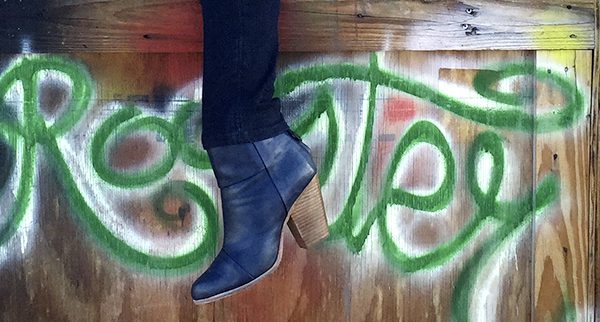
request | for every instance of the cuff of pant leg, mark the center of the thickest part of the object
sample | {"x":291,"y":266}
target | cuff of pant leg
{"x":259,"y":123}
{"x":243,"y":136}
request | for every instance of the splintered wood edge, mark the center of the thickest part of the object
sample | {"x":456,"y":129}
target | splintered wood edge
{"x":595,"y":198}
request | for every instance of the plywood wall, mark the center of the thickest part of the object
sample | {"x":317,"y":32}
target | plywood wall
{"x":484,"y":155}
{"x":457,"y":144}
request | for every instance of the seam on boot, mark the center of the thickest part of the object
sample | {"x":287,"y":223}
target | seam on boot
{"x":271,"y":178}
{"x":245,"y":179}
{"x":238,"y":264}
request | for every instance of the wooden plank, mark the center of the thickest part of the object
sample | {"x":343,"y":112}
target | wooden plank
{"x":56,"y":266}
{"x":594,"y":138}
{"x":562,"y":241}
{"x":305,"y":26}
{"x":416,"y":25}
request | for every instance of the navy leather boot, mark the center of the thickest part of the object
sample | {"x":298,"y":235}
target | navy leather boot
{"x":264,"y":185}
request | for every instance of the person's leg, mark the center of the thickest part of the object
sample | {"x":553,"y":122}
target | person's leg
{"x":240,"y":54}
{"x":266,"y":175}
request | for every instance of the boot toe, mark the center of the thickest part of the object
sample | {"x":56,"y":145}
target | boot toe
{"x":222,"y":276}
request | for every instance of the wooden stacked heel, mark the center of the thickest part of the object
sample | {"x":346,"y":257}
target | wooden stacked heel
{"x":308,"y":221}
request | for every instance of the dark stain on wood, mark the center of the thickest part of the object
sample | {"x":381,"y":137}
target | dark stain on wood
{"x":131,"y":152}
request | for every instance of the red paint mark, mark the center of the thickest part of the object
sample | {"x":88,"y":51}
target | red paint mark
{"x":397,"y":109}
{"x":385,"y":146}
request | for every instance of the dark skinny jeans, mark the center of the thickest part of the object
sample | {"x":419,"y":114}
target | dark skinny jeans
{"x":240,"y":54}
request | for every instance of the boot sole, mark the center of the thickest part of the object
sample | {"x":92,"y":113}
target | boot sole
{"x":306,"y":220}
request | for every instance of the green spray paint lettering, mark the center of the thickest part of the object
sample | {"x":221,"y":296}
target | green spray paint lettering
{"x":35,"y":132}
{"x":512,"y":215}
{"x":513,"y":118}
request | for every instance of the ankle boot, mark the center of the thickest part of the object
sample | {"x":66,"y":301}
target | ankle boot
{"x":264,"y":185}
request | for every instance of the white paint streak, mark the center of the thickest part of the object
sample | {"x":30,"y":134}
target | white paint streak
{"x":484,"y":164}
{"x":26,"y":231}
{"x":107,"y":201}
{"x":26,"y":47}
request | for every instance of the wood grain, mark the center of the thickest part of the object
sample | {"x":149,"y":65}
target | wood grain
{"x":562,"y":239}
{"x":55,"y":269}
{"x":594,"y":138}
{"x":305,"y":26}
